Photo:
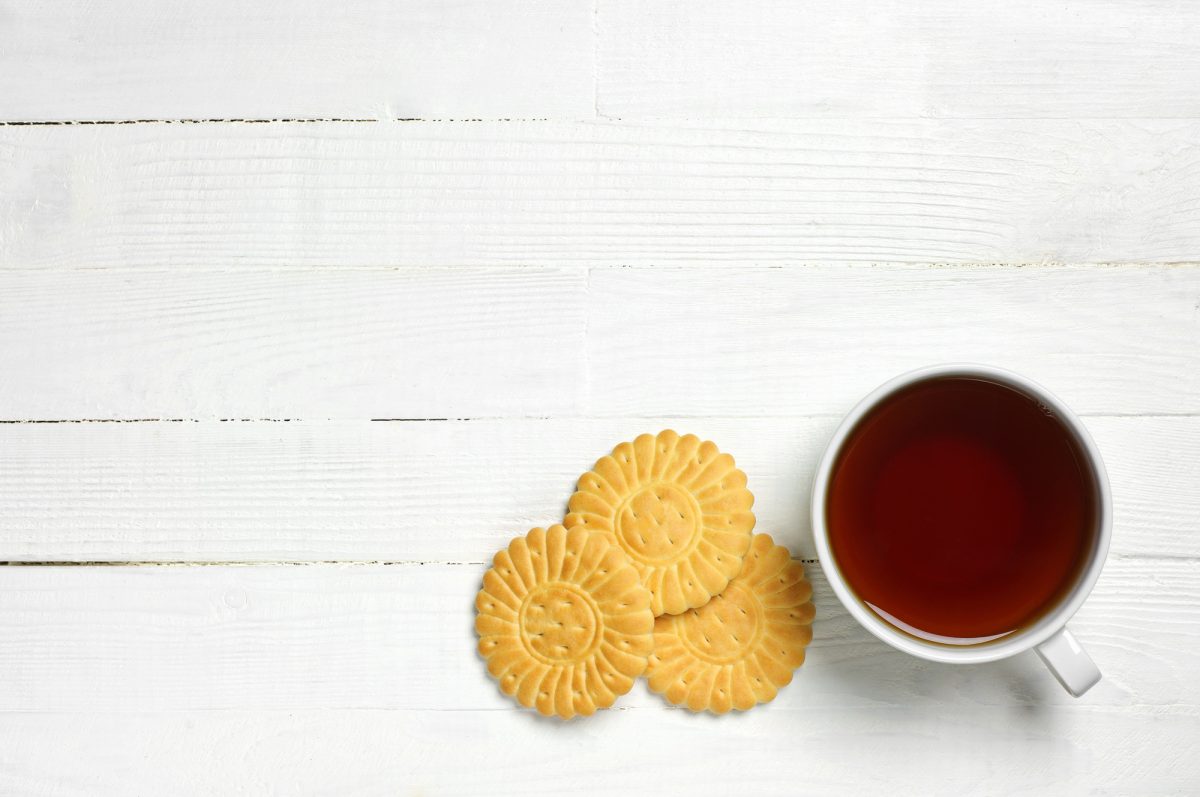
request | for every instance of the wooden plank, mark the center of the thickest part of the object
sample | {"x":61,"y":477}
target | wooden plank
{"x":490,"y":343}
{"x":131,"y":640}
{"x":952,"y":750}
{"x":305,"y":59}
{"x":987,"y":59}
{"x":416,"y":344}
{"x":785,"y":341}
{"x":444,"y":492}
{"x":553,"y":194}
{"x":361,"y":679}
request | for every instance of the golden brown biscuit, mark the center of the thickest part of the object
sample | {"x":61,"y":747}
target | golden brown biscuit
{"x":680,"y":510}
{"x":563,"y":621}
{"x":742,"y":646}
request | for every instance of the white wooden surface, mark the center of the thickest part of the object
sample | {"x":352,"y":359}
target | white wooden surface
{"x":360,"y":678}
{"x":599,"y":193}
{"x":356,"y":59}
{"x":437,"y":492}
{"x":608,"y":217}
{"x":987,"y":59}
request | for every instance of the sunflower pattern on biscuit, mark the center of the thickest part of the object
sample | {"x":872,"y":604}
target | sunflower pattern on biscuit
{"x":678,"y":507}
{"x":739,"y":649}
{"x":564,"y":622}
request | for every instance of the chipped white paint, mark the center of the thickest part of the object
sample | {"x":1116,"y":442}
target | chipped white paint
{"x":805,"y":193}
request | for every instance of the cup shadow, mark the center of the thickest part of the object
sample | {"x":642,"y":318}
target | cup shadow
{"x":871,"y":669}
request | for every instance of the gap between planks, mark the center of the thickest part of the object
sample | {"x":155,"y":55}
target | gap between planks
{"x":1136,"y":557}
{"x":491,"y":418}
{"x":503,"y":268}
{"x":268,"y":121}
{"x":267,"y":563}
{"x":598,"y":117}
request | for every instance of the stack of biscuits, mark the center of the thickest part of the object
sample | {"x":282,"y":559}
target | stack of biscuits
{"x":654,"y":571}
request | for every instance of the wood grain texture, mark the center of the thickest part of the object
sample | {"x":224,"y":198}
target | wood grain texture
{"x":714,"y":58}
{"x":354,"y":344}
{"x":553,"y":286}
{"x":778,"y":341}
{"x":415,"y":344}
{"x":192,"y":680}
{"x":445,"y":492}
{"x":978,"y":751}
{"x":130,"y":640}
{"x":363,"y":680}
{"x":307,"y":59}
{"x":228,"y":196}
{"x":881,"y":58}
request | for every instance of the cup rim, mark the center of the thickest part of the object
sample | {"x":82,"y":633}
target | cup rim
{"x":1046,"y":626}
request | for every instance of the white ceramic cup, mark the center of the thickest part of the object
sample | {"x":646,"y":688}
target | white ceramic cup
{"x":1049,"y":636}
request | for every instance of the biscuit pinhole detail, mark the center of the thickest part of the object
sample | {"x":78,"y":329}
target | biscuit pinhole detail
{"x":679,"y":509}
{"x":741,"y":647}
{"x":564,"y":622}
{"x":559,"y":623}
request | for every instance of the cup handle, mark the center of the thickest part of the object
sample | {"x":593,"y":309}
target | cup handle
{"x":1069,"y":662}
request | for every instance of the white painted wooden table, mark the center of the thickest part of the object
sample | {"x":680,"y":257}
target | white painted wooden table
{"x":336,"y":298}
